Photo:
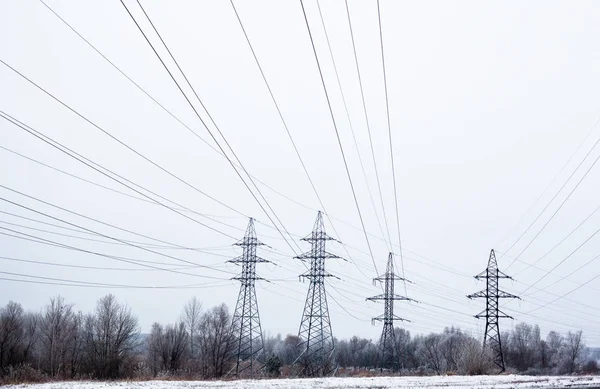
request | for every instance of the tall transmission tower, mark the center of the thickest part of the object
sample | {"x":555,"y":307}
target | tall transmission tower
{"x":387,"y":343}
{"x":316,"y":338}
{"x":492,"y":312}
{"x":245,"y":327}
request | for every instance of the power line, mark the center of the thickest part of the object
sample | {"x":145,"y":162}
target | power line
{"x":203,"y":122}
{"x":566,"y":294}
{"x":170,"y":113}
{"x":33,"y":238}
{"x":290,"y":137}
{"x":115,"y":138}
{"x":562,"y":261}
{"x":100,"y":234}
{"x":364,"y":104}
{"x":104,"y":241}
{"x":350,"y":125}
{"x":387,"y":110}
{"x":529,"y":265}
{"x":98,"y":284}
{"x":46,"y":263}
{"x":82,"y":159}
{"x":550,"y":184}
{"x":558,"y":209}
{"x":177,"y":206}
{"x":89,"y":218}
{"x":561,"y":204}
{"x":338,"y":136}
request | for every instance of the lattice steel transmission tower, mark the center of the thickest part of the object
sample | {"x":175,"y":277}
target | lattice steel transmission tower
{"x":315,"y":333}
{"x":387,"y":342}
{"x":245,"y":328}
{"x":492,"y":313}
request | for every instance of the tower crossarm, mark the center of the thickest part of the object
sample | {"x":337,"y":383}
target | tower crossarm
{"x":480,"y":294}
{"x":389,"y":277}
{"x":247,"y":279}
{"x":504,"y":295}
{"x":486,"y":314}
{"x":310,"y":255}
{"x":311,"y":276}
{"x":389,"y":318}
{"x":251,"y":259}
{"x":485,"y":274}
{"x":383,"y":297}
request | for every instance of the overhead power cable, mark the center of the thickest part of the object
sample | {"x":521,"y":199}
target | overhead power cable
{"x":71,"y":236}
{"x":562,"y":261}
{"x":97,"y":233}
{"x":47,"y":263}
{"x":177,"y":206}
{"x":30,"y":129}
{"x":360,"y":160}
{"x":213,"y":148}
{"x":550,"y":185}
{"x":561,"y":204}
{"x":33,"y":238}
{"x":387,"y":111}
{"x":364,"y":104}
{"x":338,"y":136}
{"x":529,"y":265}
{"x":101,"y":285}
{"x":289,"y":134}
{"x":114,"y":138}
{"x":170,"y":113}
{"x":94,"y":220}
{"x":204,"y":123}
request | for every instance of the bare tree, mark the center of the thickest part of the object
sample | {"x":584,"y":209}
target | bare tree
{"x":522,"y":344}
{"x":111,"y":337}
{"x":12,"y":333}
{"x":214,"y":340}
{"x":192,"y":312}
{"x":472,"y":359}
{"x":555,"y":342}
{"x":430,"y":353}
{"x":55,"y":335}
{"x":450,"y":347}
{"x":573,"y":348}
{"x":31,"y":326}
{"x":177,"y":340}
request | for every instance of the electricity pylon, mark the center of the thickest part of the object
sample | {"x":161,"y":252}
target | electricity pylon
{"x":387,"y":342}
{"x":246,"y":332}
{"x":316,"y":338}
{"x":492,"y":313}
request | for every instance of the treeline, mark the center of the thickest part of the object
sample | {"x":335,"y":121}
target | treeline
{"x":59,"y":342}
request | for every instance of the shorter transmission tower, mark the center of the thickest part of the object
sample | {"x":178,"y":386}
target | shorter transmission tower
{"x":316,"y":338}
{"x":246,"y":332}
{"x":387,"y":343}
{"x":492,"y":312}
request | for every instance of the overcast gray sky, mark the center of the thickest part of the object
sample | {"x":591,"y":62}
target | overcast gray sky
{"x":492,"y":104}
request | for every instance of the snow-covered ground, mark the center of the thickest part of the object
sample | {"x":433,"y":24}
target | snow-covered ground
{"x":496,"y":382}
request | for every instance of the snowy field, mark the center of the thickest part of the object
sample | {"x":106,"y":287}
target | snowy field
{"x":497,"y":382}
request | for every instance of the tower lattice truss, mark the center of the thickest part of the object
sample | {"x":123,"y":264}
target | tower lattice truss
{"x":387,"y":343}
{"x":246,"y":332}
{"x":316,"y":338}
{"x":492,"y":313}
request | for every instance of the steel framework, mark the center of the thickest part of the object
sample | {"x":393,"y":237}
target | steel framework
{"x":316,"y":338}
{"x":492,"y":312}
{"x":245,"y":328}
{"x":387,"y":342}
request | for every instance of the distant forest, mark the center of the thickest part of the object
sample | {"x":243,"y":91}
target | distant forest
{"x":61,"y":343}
